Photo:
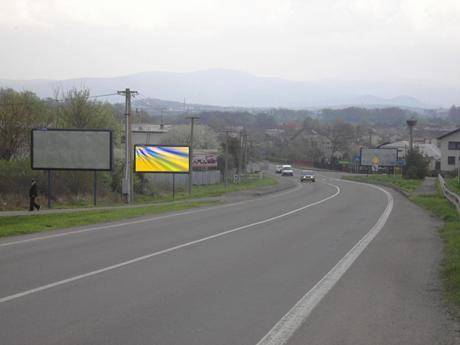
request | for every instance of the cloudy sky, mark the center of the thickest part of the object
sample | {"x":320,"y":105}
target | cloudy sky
{"x":369,"y":40}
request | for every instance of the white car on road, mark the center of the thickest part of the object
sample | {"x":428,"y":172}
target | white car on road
{"x":287,"y":170}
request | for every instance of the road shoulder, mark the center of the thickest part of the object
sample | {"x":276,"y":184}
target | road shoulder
{"x":393,"y":292}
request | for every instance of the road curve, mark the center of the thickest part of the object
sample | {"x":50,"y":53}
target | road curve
{"x":220,"y":275}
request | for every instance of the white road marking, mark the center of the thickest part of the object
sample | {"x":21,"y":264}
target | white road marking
{"x":151,"y":219}
{"x":296,"y":316}
{"x":151,"y":255}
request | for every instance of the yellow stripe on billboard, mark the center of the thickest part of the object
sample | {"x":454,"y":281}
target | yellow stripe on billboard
{"x":162,"y":159}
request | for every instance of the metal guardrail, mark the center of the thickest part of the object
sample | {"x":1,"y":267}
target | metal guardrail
{"x":451,"y":196}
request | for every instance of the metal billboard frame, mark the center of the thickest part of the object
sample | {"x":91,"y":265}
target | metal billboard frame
{"x":163,"y":172}
{"x":382,"y":148}
{"x":70,"y":130}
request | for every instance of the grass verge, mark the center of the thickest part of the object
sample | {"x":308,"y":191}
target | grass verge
{"x":450,"y":233}
{"x":398,"y":182}
{"x":19,"y":225}
{"x":197,"y":192}
{"x":453,"y":185}
{"x":219,"y":189}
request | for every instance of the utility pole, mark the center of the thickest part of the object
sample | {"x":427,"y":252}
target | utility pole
{"x":190,"y":177}
{"x":127,"y":185}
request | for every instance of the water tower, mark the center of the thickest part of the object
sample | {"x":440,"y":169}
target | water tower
{"x":411,"y":124}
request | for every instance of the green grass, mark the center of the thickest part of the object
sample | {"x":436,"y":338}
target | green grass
{"x":450,"y":233}
{"x":19,"y":225}
{"x":219,"y":189}
{"x":453,"y":185}
{"x":204,"y":191}
{"x":406,"y":185}
{"x":212,"y":190}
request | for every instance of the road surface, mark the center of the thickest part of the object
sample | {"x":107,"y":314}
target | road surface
{"x":332,"y":262}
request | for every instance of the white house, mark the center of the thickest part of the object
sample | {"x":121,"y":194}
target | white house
{"x":449,"y":145}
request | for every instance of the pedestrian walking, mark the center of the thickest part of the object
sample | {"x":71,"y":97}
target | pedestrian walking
{"x":33,"y":193}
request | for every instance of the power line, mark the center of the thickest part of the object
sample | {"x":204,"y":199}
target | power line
{"x":54,"y":100}
{"x":150,"y":106}
{"x":142,"y":100}
{"x":13,"y":104}
{"x":105,"y":95}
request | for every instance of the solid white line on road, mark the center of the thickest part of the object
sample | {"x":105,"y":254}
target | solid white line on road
{"x":295,"y":317}
{"x":118,"y":225}
{"x":148,"y":256}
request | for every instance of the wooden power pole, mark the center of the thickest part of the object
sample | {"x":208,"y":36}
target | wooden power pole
{"x":190,"y":175}
{"x":127,"y":184}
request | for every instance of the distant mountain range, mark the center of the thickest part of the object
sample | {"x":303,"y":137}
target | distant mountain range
{"x":239,"y":89}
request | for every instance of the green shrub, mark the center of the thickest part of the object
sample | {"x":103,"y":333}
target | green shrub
{"x":416,"y":165}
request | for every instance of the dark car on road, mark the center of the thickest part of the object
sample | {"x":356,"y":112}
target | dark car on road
{"x":307,"y":176}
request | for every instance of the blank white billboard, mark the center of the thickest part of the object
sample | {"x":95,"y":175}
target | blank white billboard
{"x":71,"y":149}
{"x":379,"y":157}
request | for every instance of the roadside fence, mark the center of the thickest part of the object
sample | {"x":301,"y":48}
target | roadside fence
{"x":451,"y":196}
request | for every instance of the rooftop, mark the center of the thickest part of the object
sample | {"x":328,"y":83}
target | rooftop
{"x":449,"y":133}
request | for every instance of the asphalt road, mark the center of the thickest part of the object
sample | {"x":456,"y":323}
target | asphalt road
{"x":331,"y":262}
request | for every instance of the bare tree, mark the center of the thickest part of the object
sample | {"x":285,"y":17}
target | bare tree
{"x":341,"y":135}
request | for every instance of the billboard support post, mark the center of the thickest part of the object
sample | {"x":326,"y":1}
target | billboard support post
{"x":94,"y":187}
{"x":49,"y":188}
{"x":245,"y":152}
{"x":226,"y":159}
{"x":240,"y":157}
{"x":174,"y":186}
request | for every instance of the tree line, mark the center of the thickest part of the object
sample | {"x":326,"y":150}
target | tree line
{"x":318,"y":136}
